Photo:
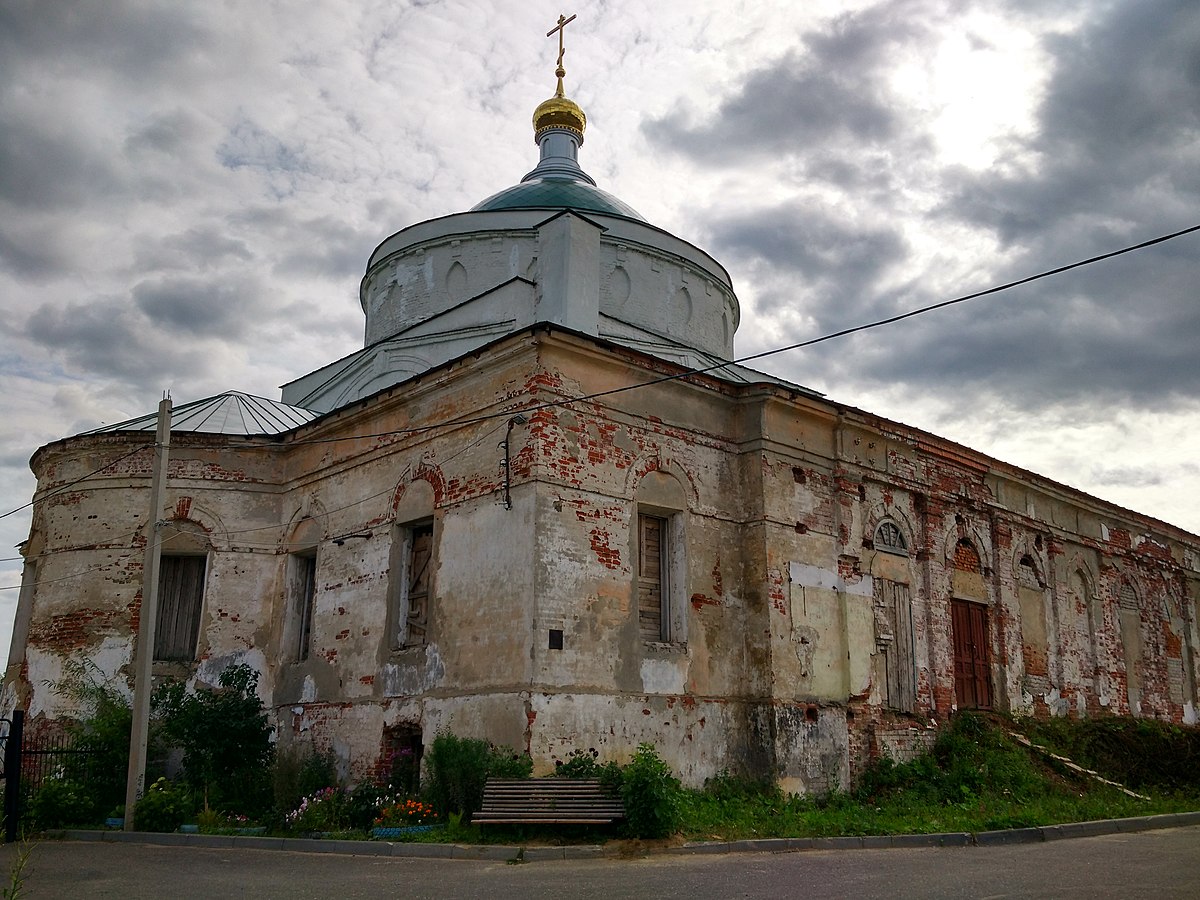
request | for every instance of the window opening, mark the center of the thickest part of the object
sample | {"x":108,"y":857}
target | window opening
{"x":890,"y":538}
{"x":180,"y":598}
{"x":411,"y":600}
{"x":654,"y":616}
{"x":306,"y":589}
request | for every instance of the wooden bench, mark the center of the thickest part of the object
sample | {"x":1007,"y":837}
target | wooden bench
{"x":548,"y":801}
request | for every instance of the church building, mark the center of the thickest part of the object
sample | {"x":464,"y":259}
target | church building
{"x":542,"y":506}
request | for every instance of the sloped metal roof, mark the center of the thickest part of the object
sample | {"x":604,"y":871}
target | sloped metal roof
{"x":230,"y":413}
{"x":558,"y":193}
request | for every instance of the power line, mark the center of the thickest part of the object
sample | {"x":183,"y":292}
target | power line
{"x":70,"y":484}
{"x":686,"y":373}
{"x":765,"y":353}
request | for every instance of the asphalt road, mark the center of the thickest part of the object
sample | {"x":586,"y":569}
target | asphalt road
{"x":1155,"y":864}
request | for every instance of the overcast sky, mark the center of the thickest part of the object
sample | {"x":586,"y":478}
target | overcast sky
{"x":189,"y":193}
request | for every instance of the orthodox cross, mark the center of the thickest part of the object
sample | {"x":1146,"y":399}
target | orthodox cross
{"x":563,"y":21}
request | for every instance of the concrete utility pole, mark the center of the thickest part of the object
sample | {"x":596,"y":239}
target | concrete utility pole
{"x":143,"y":685}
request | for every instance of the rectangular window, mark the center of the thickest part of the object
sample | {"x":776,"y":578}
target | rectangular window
{"x":180,"y":597}
{"x":304,"y":590}
{"x":654,"y":589}
{"x":411,"y":589}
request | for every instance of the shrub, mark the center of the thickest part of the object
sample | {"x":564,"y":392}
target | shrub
{"x":365,"y":802}
{"x":652,"y":795}
{"x":103,"y":732}
{"x":298,"y":771}
{"x":585,"y":764}
{"x":62,"y":802}
{"x":224,"y":735}
{"x":163,"y":807}
{"x":970,"y":758}
{"x":459,"y":767}
{"x":1140,"y":753}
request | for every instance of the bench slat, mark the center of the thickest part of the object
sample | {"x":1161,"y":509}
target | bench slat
{"x":548,"y":801}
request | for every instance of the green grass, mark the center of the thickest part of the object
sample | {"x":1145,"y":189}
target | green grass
{"x":975,"y":779}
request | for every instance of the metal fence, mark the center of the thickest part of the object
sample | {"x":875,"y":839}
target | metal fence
{"x":31,"y":761}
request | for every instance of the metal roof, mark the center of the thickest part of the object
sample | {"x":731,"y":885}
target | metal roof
{"x":230,"y":413}
{"x":558,"y":193}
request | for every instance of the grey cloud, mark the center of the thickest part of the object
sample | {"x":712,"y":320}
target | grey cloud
{"x":183,"y":306}
{"x":33,"y":251}
{"x":1118,"y":145}
{"x":1128,"y":476}
{"x":39,"y":169}
{"x":1118,"y":129}
{"x":1096,"y":338}
{"x":202,"y":247}
{"x":321,"y":245}
{"x":830,"y":90}
{"x":1117,"y":153}
{"x":109,"y":337}
{"x":329,"y":248}
{"x":166,"y":132}
{"x":249,"y":145}
{"x":136,"y":40}
{"x":815,"y":258}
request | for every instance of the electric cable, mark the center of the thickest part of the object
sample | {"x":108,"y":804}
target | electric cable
{"x":686,"y":373}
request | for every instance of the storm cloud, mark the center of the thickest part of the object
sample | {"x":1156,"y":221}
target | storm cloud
{"x":189,"y":193}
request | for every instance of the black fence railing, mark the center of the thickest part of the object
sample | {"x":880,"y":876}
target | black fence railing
{"x":32,"y":761}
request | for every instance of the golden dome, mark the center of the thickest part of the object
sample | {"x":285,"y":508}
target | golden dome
{"x":558,"y":112}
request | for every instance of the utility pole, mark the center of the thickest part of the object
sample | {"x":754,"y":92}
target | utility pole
{"x":142,"y":684}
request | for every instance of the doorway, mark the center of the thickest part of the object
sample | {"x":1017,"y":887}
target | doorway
{"x":972,"y":671}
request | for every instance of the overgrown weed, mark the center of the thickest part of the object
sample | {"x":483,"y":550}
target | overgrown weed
{"x":975,"y":778}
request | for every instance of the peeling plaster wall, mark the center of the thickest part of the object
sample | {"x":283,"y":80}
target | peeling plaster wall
{"x":773,"y":500}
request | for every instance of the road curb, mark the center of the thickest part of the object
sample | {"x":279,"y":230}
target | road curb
{"x":515,"y":853}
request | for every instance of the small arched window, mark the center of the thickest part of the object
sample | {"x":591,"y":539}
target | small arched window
{"x":966,"y":557}
{"x":890,"y":539}
{"x":1027,"y":574}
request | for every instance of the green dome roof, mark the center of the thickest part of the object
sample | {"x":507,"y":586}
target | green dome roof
{"x":558,"y":193}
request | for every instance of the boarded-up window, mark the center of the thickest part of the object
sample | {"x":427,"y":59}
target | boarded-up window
{"x":412,"y":600}
{"x":304,"y":585}
{"x":972,"y":670}
{"x":894,"y":642}
{"x":180,"y":597}
{"x":654,"y":616}
{"x":1131,"y":643}
{"x":1031,"y":602}
{"x":966,"y":557}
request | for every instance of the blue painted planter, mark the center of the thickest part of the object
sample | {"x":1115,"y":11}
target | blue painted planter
{"x":408,"y":829}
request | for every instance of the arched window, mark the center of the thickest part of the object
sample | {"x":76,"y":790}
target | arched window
{"x":889,"y":538}
{"x":1027,"y":574}
{"x":661,"y":589}
{"x":966,"y":557}
{"x":181,"y":575}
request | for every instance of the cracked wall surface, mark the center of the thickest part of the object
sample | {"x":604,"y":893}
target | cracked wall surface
{"x":800,"y":531}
